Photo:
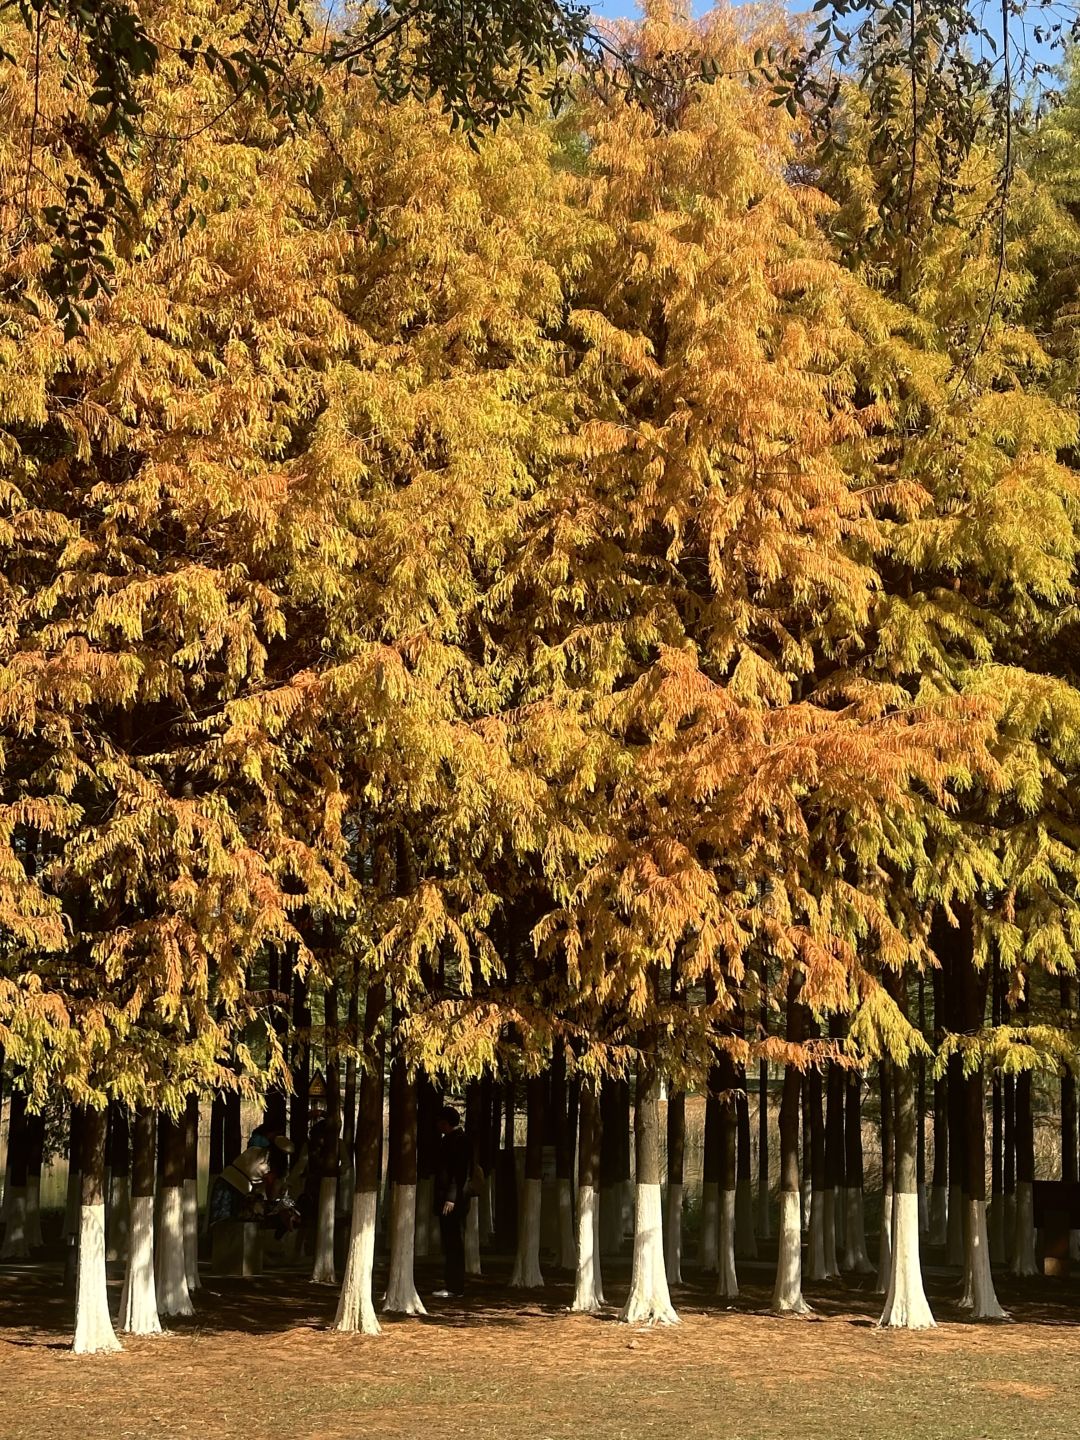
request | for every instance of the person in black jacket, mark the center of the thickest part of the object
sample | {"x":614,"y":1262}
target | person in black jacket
{"x":451,"y":1198}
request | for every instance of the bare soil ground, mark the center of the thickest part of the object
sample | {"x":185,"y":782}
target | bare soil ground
{"x":259,"y":1361}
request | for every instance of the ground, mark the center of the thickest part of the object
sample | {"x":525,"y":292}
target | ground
{"x":259,"y":1361}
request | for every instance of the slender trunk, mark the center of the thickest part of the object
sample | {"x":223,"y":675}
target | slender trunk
{"x":170,"y":1271}
{"x":1069,"y":1170}
{"x":888,"y":1175}
{"x":16,"y":1241}
{"x":676,"y":1161}
{"x":588,"y":1285}
{"x":764,"y":1219}
{"x":805,"y":1158}
{"x":94,"y":1332}
{"x":972,"y":989}
{"x":996,"y":1218}
{"x":649,"y":1301}
{"x":216,"y":1158}
{"x":526,"y":1273}
{"x":1023,"y":1253}
{"x":816,"y":1268}
{"x":712,"y":1164}
{"x":855,"y":1256}
{"x":280,"y":984}
{"x":35,"y":1147}
{"x":1008,"y":1100}
{"x":610,"y":1197}
{"x":74,"y":1186}
{"x":401,"y":1293}
{"x":905,"y":1300}
{"x":138,"y":1299}
{"x":745,"y":1239}
{"x":300,"y":1065}
{"x":920,"y":1118}
{"x":834,"y":1160}
{"x":564,"y":1161}
{"x":118,"y":1210}
{"x":347,"y":1183}
{"x":191,"y":1192}
{"x":787,"y":1293}
{"x":475,"y":1134}
{"x":727,"y":1283}
{"x":939,"y":1188}
{"x":428,"y":1105}
{"x":328,"y":1151}
{"x":356,"y":1308}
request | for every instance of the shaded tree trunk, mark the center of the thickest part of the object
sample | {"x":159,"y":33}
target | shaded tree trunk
{"x":138,"y":1299}
{"x":526,"y":1273}
{"x":94,"y":1332}
{"x":588,"y":1284}
{"x":170,"y":1270}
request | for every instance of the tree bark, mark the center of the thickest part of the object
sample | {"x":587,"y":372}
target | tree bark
{"x":356,"y":1307}
{"x":401,"y":1293}
{"x":855,"y":1256}
{"x":787,"y":1293}
{"x":526,"y":1273}
{"x":16,"y":1239}
{"x":170,"y":1269}
{"x":94,"y":1332}
{"x":649,"y":1301}
{"x":588,"y":1284}
{"x":138,"y":1299}
{"x":676,"y":1161}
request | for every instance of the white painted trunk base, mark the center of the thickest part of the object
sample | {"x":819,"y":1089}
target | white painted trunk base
{"x":356,"y":1309}
{"x":745,"y":1239}
{"x":118,"y":1222}
{"x":322,"y":1270}
{"x":425,"y":1219}
{"x":938,"y":1233}
{"x":191,"y":1234}
{"x":526,"y":1273}
{"x":94,"y":1334}
{"x":649,"y":1302}
{"x":906,"y":1306}
{"x":33,"y":1212}
{"x":401,"y":1296}
{"x":709,"y":1236}
{"x":832,"y":1260}
{"x":567,"y":1239}
{"x":472,"y":1238}
{"x":954,"y":1236}
{"x":138,"y":1299}
{"x":787,"y":1293}
{"x":588,"y":1287}
{"x":673,"y":1234}
{"x":16,"y":1243}
{"x":170,"y":1270}
{"x":1023,"y":1251}
{"x":855,"y":1256}
{"x":815,"y":1254}
{"x":984,"y":1301}
{"x":884,"y":1263}
{"x":727,"y":1283}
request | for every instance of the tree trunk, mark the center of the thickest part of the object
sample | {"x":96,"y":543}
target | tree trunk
{"x":191,"y":1192}
{"x":888,"y":1174}
{"x":138,"y":1299}
{"x":428,"y":1106}
{"x":939,"y":1188}
{"x":401,"y":1293}
{"x":816,"y":1268}
{"x":526,"y":1273}
{"x":506,"y":1205}
{"x":94,"y":1332}
{"x":74,"y":1186}
{"x":834,"y":1160}
{"x":996,"y":1218}
{"x":676,"y":1162}
{"x":727,"y":1283}
{"x":170,"y":1270}
{"x":216,"y":1158}
{"x":1023,"y":1253}
{"x":971,"y":996}
{"x":920,"y":1119}
{"x":328,"y":1153}
{"x":588,"y":1284}
{"x":745,"y":1239}
{"x":35,"y":1157}
{"x":712,"y":1164}
{"x":16,"y":1240}
{"x":787,"y":1293}
{"x":764,"y":1219}
{"x":905,"y":1299}
{"x":855,"y":1256}
{"x":356,"y":1308}
{"x":1008,"y":1099}
{"x":475,"y":1135}
{"x":649,"y":1301}
{"x":300,"y":1064}
{"x":564,"y":1161}
{"x":347,"y":1183}
{"x":118,"y":1218}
